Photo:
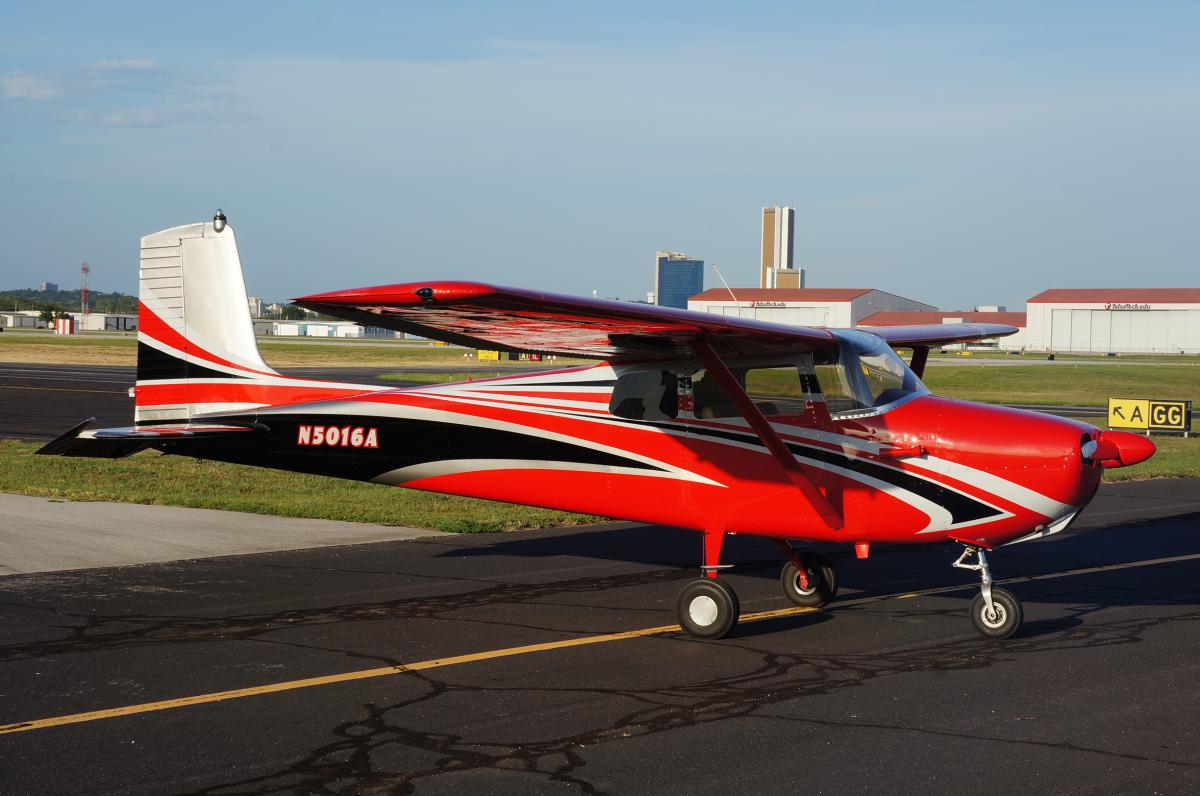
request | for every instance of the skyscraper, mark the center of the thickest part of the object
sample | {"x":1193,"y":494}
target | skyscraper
{"x":676,"y":277}
{"x":777,"y":267}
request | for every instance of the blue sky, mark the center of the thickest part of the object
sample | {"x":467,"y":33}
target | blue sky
{"x":959,"y":154}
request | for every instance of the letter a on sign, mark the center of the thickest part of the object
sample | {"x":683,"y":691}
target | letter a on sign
{"x":1128,"y":413}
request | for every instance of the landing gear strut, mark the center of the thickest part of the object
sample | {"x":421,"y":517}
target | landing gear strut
{"x":995,"y":612}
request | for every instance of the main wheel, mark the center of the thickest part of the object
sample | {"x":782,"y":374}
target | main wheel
{"x":1006,"y":619}
{"x":822,"y":581}
{"x":707,"y":608}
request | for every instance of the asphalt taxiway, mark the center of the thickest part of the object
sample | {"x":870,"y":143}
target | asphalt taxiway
{"x":39,"y":402}
{"x":546,"y":661}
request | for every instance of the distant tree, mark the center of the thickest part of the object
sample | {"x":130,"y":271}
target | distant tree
{"x":293,"y":313}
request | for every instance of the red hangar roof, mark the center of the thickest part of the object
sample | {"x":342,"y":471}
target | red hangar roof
{"x":1119,"y":295}
{"x":918,"y":317}
{"x":782,"y":294}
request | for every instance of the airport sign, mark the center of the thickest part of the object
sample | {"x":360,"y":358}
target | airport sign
{"x":1143,"y":414}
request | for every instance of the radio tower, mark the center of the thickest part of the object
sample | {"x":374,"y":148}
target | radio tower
{"x":84,"y":295}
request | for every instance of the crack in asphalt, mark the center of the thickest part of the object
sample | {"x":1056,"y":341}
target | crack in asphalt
{"x":352,"y":763}
{"x":108,"y":632}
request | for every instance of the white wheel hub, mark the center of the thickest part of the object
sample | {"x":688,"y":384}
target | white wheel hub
{"x":812,"y":584}
{"x":994,"y":618}
{"x":703,"y":610}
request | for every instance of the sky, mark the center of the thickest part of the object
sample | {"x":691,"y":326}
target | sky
{"x":954,"y":153}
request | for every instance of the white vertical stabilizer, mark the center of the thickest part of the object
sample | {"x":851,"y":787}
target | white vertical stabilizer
{"x":194,"y":312}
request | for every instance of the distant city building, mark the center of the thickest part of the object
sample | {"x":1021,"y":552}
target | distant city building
{"x":776,"y":264}
{"x":48,"y":287}
{"x":676,"y":277}
{"x":256,"y":306}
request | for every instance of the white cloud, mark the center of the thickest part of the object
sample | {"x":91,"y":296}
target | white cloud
{"x":136,"y":64}
{"x":133,"y":117}
{"x":18,"y":85}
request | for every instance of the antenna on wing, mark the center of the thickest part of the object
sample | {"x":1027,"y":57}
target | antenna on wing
{"x":726,"y":284}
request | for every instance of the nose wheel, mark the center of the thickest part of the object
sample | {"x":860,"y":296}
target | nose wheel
{"x":995,"y":612}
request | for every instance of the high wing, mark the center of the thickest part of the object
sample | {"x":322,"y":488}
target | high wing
{"x":509,"y":319}
{"x":932,"y":335}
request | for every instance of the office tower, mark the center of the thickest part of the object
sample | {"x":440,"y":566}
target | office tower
{"x":676,"y":277}
{"x":777,"y":267}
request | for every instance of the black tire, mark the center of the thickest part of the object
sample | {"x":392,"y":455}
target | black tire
{"x":822,"y":581}
{"x":708,"y":608}
{"x":1005,"y":623}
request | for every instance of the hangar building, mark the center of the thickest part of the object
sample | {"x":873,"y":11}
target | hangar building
{"x":1108,"y":320}
{"x":813,"y":306}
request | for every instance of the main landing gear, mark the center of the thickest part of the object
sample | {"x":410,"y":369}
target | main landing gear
{"x":708,"y":606}
{"x":995,"y":612}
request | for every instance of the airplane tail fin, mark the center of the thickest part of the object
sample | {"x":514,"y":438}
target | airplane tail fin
{"x":196,"y":346}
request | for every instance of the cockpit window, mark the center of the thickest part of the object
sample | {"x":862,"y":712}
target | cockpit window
{"x":863,"y":373}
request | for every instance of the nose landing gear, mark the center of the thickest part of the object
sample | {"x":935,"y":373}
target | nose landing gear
{"x":995,"y":612}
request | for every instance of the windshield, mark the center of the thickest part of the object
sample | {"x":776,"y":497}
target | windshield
{"x":864,"y":373}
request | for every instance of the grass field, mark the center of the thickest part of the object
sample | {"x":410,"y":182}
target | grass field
{"x":109,"y":350}
{"x":1065,"y":385}
{"x":151,"y":478}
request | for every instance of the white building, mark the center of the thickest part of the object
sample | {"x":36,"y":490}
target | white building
{"x":317,"y":329}
{"x":22,"y":319}
{"x":104,"y":322}
{"x":814,"y":306}
{"x":1115,"y":320}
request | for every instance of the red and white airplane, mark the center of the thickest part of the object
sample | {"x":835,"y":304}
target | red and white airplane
{"x":669,"y":427}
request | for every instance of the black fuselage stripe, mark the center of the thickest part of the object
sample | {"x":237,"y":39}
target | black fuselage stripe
{"x":156,"y":365}
{"x":963,"y":508}
{"x":402,"y":442}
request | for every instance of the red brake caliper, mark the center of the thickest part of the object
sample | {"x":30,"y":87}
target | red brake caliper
{"x":790,"y":555}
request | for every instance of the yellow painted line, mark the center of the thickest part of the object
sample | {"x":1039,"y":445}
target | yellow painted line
{"x":61,"y":389}
{"x":507,"y":652}
{"x":362,"y":674}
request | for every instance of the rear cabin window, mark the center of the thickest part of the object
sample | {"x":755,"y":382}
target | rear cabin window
{"x":778,"y":390}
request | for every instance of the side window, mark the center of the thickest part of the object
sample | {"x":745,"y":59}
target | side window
{"x":646,"y":395}
{"x":781,"y":390}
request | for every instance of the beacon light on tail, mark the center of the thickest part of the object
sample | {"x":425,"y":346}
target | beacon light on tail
{"x":685,"y":419}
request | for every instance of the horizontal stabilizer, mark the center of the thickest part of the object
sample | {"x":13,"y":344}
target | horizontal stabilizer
{"x":116,"y":443}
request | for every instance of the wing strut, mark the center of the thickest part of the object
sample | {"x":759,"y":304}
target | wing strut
{"x":778,"y":448}
{"x":919,"y":358}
